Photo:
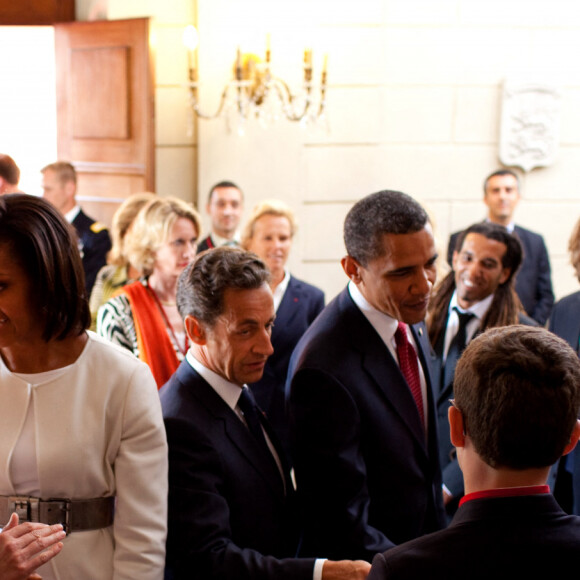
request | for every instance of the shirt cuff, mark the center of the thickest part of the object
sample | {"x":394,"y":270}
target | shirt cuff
{"x":446,"y":490}
{"x":317,"y":573}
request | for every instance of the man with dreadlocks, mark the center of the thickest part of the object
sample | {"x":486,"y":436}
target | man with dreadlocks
{"x":477,"y":294}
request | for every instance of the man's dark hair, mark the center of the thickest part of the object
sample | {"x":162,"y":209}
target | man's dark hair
{"x":500,"y":173}
{"x":505,"y":306}
{"x":44,"y":244}
{"x":201,"y":286}
{"x":518,"y":389}
{"x":9,"y":170}
{"x":384,"y":212}
{"x":224,"y":184}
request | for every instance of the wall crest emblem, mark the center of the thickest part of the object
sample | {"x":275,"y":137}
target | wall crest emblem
{"x":530,"y":125}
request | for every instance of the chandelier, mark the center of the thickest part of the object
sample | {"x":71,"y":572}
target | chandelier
{"x":255,"y":92}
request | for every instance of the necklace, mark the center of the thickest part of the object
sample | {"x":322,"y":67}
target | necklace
{"x":168,"y":324}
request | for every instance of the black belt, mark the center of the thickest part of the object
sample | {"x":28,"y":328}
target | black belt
{"x":75,"y":515}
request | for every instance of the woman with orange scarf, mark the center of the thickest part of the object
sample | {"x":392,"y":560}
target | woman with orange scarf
{"x":143,"y":317}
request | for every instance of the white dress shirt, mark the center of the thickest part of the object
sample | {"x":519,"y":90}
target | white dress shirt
{"x":479,"y":310}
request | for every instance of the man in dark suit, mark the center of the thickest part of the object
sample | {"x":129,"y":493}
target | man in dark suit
{"x":517,"y":397}
{"x":231,"y":500}
{"x":225,"y":205}
{"x":533,"y":282}
{"x":477,"y":294}
{"x":362,"y":417}
{"x":59,"y":186}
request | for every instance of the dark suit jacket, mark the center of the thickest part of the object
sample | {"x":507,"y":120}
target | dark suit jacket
{"x":228,"y":515}
{"x":365,"y":476}
{"x":300,"y":305}
{"x":565,"y":322}
{"x":452,"y":475}
{"x":533,"y":281}
{"x":95,"y":244}
{"x":205,"y":244}
{"x":494,"y":538}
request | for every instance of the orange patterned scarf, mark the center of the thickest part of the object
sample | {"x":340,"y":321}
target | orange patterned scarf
{"x":155,"y":346}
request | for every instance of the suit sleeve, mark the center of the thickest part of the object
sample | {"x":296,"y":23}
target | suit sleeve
{"x":331,"y":475}
{"x":544,"y":292}
{"x":200,"y":541}
{"x":379,"y":569}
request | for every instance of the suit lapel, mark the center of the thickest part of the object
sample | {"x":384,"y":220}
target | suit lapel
{"x":235,"y":430}
{"x":379,"y":363}
{"x":289,"y":305}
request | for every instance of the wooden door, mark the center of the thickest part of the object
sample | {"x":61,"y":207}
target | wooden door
{"x":105,"y":110}
{"x":33,"y":12}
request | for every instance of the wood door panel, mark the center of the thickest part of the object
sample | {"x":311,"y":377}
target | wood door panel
{"x":102,"y":106}
{"x":105,"y":109}
{"x":108,"y":192}
{"x":36,"y":12}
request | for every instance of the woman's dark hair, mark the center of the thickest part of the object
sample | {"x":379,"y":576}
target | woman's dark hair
{"x":45,"y":246}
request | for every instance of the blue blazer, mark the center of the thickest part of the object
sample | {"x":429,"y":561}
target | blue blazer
{"x":533,"y":280}
{"x":565,"y":322}
{"x":300,"y":305}
{"x":229,"y":516}
{"x":366,"y":477}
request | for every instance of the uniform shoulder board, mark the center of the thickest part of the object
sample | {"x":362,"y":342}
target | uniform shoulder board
{"x":98,"y":227}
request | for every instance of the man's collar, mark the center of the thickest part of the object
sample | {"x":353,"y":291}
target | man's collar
{"x":71,"y":214}
{"x":219,"y":241}
{"x":384,"y":324}
{"x":229,"y":392}
{"x":510,"y":227}
{"x":479,"y":309}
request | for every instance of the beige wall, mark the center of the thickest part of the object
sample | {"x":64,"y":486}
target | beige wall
{"x":413,"y":104}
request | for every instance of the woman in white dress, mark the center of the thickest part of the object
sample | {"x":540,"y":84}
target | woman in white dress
{"x":82,"y":441}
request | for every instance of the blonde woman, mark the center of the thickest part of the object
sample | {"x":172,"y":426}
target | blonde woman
{"x":269,"y":233}
{"x":143,"y":318}
{"x":118,"y":272}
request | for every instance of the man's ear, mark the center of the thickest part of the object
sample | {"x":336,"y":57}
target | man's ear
{"x":456,"y":426}
{"x":195,"y":330}
{"x":573,"y":438}
{"x":351,"y":268}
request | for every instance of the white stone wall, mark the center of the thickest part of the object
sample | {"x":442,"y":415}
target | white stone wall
{"x":414,"y":104}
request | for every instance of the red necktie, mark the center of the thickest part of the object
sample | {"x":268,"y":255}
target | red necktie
{"x":409,"y":367}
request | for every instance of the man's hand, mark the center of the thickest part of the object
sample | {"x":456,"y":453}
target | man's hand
{"x":345,"y":570}
{"x":25,"y":547}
